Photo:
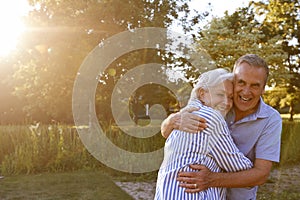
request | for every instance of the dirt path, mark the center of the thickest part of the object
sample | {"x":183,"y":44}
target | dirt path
{"x":282,"y":182}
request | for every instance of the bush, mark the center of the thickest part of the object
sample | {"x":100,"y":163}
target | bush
{"x":290,"y":143}
{"x":58,"y":148}
{"x":36,"y":148}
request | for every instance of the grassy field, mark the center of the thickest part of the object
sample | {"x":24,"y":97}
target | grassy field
{"x":77,"y":185}
{"x":287,"y":116}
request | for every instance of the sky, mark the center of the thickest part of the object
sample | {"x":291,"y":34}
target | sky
{"x":10,"y":23}
{"x":218,"y":8}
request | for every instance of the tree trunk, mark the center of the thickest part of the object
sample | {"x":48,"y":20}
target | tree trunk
{"x":292,"y":112}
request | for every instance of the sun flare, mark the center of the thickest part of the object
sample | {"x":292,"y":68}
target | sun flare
{"x":11,"y":24}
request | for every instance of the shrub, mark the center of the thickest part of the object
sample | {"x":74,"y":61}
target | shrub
{"x":36,"y":148}
{"x":57,"y":148}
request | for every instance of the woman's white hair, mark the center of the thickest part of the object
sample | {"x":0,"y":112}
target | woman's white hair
{"x":210,"y":79}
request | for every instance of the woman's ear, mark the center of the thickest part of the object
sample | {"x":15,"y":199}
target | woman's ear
{"x":200,"y":93}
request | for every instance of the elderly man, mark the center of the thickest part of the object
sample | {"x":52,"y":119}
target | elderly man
{"x":255,"y":128}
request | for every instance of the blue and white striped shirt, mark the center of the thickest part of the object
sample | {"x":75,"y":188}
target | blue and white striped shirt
{"x":212,"y":147}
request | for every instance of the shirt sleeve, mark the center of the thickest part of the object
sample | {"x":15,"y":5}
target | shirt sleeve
{"x":268,"y":144}
{"x":223,"y":149}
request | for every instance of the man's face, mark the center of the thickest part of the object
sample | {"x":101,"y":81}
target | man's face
{"x":249,"y":84}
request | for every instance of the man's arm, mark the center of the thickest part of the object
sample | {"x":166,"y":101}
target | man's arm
{"x":170,"y":123}
{"x":205,"y":179}
{"x":184,"y":121}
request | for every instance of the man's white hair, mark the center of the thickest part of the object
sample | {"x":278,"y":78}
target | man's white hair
{"x":210,"y":79}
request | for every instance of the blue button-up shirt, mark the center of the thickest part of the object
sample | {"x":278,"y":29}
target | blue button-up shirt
{"x":257,"y":136}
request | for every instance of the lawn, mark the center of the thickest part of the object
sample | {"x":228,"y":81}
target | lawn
{"x":85,"y":185}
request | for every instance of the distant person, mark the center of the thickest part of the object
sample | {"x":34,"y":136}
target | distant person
{"x":212,"y":147}
{"x":255,"y":128}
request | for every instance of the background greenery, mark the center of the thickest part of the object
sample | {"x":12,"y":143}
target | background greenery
{"x":57,"y":148}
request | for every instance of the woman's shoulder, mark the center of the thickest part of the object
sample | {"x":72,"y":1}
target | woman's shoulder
{"x":208,"y":113}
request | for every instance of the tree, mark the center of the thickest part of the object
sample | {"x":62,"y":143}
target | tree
{"x":281,"y":17}
{"x":269,"y":29}
{"x":11,"y":107}
{"x":228,"y":38}
{"x":61,"y":33}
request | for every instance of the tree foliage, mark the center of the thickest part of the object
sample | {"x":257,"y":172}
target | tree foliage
{"x":61,"y":33}
{"x":228,"y":38}
{"x":281,"y":17}
{"x":269,"y":29}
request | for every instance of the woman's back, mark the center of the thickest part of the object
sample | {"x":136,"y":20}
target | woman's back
{"x":208,"y":147}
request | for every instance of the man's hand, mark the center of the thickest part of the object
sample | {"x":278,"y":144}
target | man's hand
{"x":190,"y":122}
{"x":184,"y":120}
{"x":205,"y":178}
{"x":195,"y":181}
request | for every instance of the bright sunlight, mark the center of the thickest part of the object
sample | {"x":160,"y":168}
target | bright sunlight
{"x":11,"y":24}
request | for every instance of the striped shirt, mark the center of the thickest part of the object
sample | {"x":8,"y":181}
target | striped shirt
{"x":212,"y":147}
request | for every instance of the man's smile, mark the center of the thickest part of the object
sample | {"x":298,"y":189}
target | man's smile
{"x":245,"y":99}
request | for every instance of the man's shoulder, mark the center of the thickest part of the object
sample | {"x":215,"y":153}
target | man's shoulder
{"x":268,"y":111}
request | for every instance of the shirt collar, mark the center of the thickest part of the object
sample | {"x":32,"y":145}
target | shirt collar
{"x":261,"y":112}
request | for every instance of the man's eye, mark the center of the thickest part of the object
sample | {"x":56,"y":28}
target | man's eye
{"x":240,"y":82}
{"x":256,"y":86}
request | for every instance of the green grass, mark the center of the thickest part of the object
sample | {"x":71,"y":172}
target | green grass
{"x":287,"y":116}
{"x":290,"y":143}
{"x":83,"y":185}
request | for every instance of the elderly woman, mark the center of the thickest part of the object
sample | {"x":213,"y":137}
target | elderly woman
{"x":212,"y":147}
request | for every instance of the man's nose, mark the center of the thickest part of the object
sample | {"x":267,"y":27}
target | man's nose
{"x":246,"y":90}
